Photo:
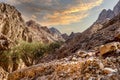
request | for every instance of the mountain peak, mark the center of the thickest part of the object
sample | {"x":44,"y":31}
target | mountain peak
{"x":117,"y":8}
{"x":105,"y":14}
{"x":55,"y":31}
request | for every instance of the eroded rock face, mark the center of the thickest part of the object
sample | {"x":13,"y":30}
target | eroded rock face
{"x":3,"y":74}
{"x":11,"y":23}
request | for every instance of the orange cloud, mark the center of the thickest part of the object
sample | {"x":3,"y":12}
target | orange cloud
{"x":84,"y":6}
{"x":69,"y":16}
{"x":56,"y":12}
{"x":62,"y":19}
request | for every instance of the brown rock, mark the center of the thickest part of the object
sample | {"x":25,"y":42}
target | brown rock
{"x":3,"y":74}
{"x":109,"y":47}
{"x":109,"y":71}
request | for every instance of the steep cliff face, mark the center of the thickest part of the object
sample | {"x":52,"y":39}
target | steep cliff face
{"x":11,"y":23}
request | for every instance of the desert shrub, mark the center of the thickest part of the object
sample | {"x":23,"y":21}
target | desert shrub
{"x":54,"y":46}
{"x":5,"y":60}
{"x":30,"y":53}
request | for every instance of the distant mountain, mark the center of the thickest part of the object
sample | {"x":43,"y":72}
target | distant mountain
{"x":65,"y":36}
{"x":72,"y":35}
{"x":104,"y":29}
{"x":55,"y":31}
{"x":58,"y":34}
{"x":116,"y":9}
{"x":41,"y":33}
{"x":109,"y":14}
{"x":105,"y":14}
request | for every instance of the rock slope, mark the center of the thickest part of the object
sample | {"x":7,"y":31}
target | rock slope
{"x":41,"y":33}
{"x":80,"y":66}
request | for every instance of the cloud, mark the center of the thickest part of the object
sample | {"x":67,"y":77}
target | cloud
{"x":62,"y":19}
{"x":55,"y":12}
{"x":16,"y":2}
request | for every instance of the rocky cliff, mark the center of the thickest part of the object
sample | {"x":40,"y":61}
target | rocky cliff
{"x":11,"y":24}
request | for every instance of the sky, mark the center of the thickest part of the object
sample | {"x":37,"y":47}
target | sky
{"x":65,"y":15}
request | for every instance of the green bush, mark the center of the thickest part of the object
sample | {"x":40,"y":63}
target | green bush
{"x":30,"y":53}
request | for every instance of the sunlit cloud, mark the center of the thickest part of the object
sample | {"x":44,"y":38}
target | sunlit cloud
{"x":55,"y":12}
{"x":63,"y":19}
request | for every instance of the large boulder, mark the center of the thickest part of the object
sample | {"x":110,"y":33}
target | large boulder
{"x":109,"y":47}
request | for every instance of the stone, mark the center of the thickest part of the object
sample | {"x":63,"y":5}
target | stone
{"x":82,"y":54}
{"x":109,"y":70}
{"x":108,"y":47}
{"x":74,"y":58}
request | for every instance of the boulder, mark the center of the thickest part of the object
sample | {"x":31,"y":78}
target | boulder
{"x":109,"y":71}
{"x":109,"y":47}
